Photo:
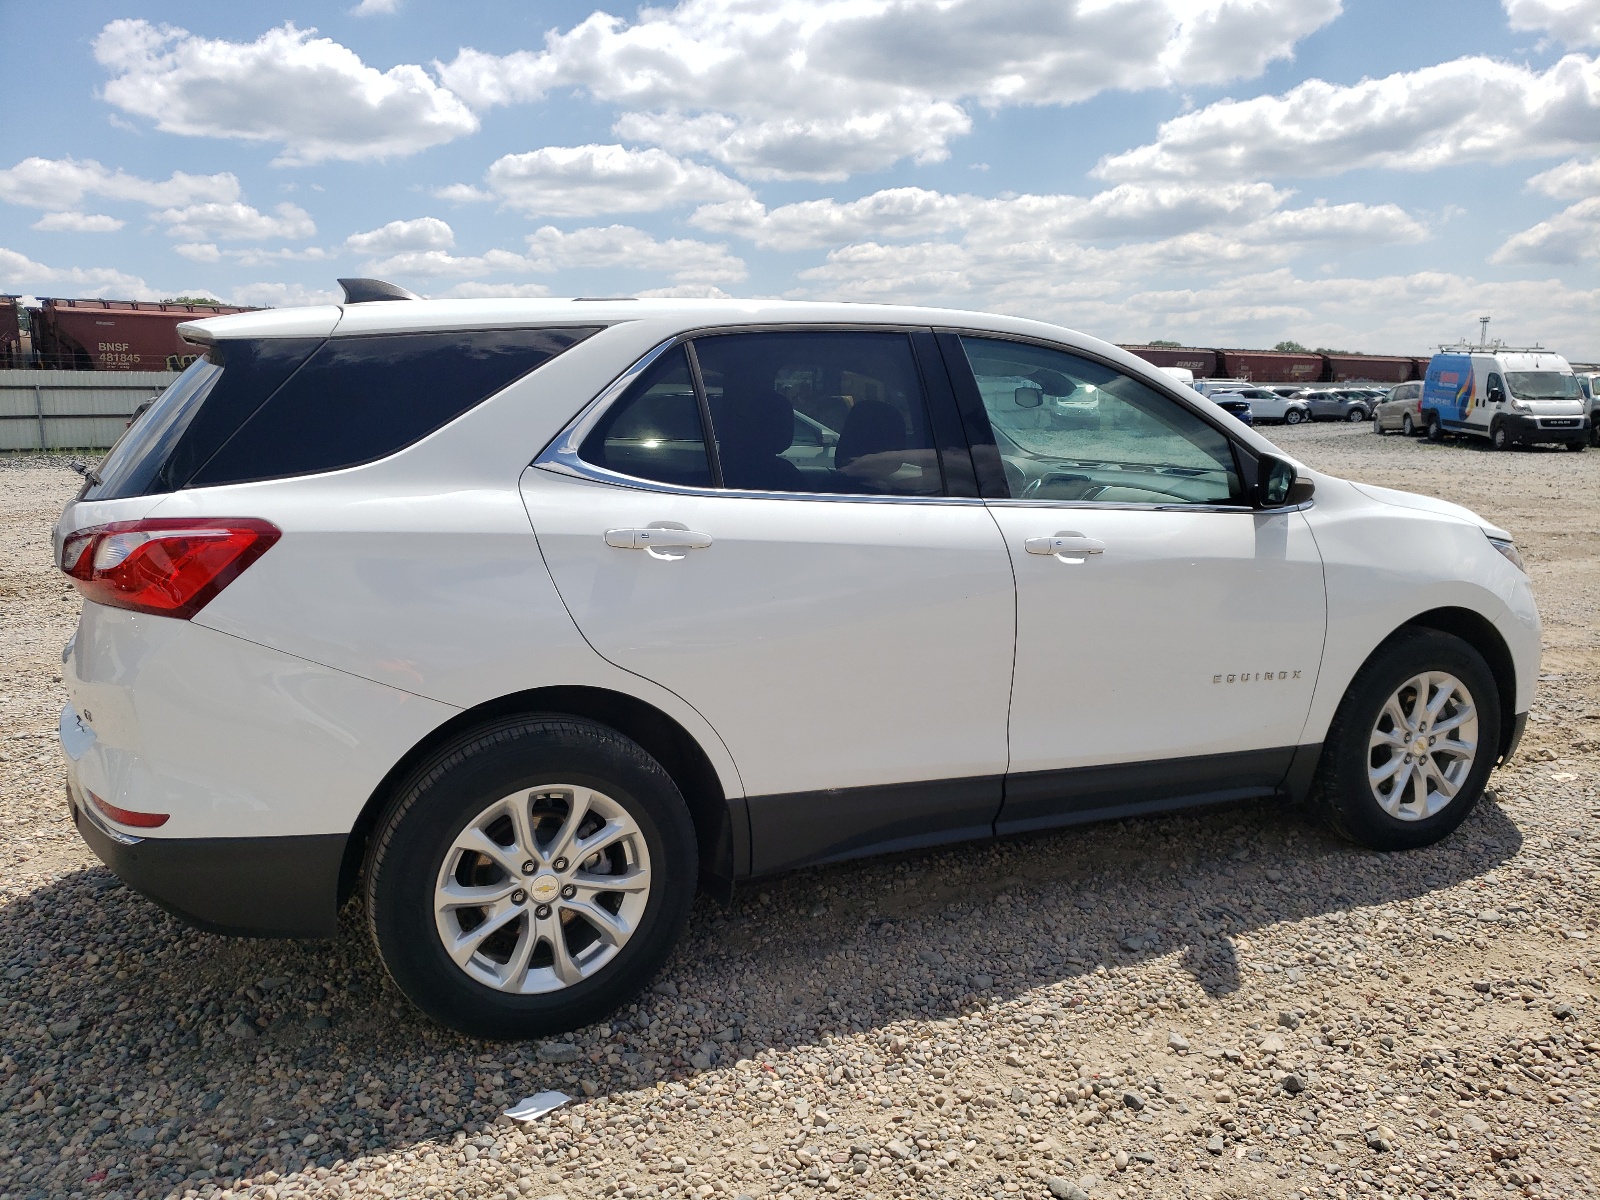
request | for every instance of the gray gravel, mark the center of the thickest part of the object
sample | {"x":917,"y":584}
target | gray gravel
{"x":1228,"y":1003}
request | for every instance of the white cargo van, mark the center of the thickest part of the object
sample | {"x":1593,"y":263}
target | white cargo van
{"x":1510,"y":397}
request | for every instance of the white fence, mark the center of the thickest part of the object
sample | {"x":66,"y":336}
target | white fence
{"x":72,"y":410}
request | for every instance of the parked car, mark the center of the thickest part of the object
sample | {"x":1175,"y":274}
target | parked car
{"x":523,"y":618}
{"x":1510,"y":398}
{"x":1235,"y":404}
{"x":1337,"y":404}
{"x":1401,"y":411}
{"x":1270,"y":404}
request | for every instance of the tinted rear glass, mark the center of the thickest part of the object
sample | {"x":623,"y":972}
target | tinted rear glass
{"x":359,"y":399}
{"x":198,"y":412}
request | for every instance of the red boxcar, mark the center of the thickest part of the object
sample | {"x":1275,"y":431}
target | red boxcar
{"x":1370,"y":368}
{"x":115,"y":335}
{"x":1202,"y":362}
{"x":1270,"y":366}
{"x":10,"y":333}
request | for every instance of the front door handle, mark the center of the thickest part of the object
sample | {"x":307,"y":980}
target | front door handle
{"x":1065,"y":545}
{"x":656,"y":538}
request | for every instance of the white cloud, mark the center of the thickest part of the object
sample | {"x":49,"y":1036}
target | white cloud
{"x":582,"y":181}
{"x":1575,"y":22}
{"x":282,"y":295}
{"x":1565,"y":239}
{"x":201,"y":252}
{"x":611,"y":246}
{"x":1570,"y":180}
{"x":77,"y":222}
{"x":820,"y":88}
{"x":375,"y":8}
{"x":432,"y":263}
{"x":424,"y":233}
{"x":496,"y":291}
{"x":1471,"y":109}
{"x":63,"y":183}
{"x":19,"y":273}
{"x":1121,"y":211}
{"x":236,"y":222}
{"x":312,"y":95}
{"x":596,"y":248}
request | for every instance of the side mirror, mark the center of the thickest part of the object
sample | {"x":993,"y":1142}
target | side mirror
{"x":1279,"y":485}
{"x":1027,"y":397}
{"x":1496,"y":395}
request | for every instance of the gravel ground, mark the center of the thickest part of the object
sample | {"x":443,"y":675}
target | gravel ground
{"x":1222,"y":1004}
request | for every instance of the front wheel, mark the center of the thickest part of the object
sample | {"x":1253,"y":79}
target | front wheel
{"x":531,"y":877}
{"x":1499,"y":437}
{"x":1579,"y":447}
{"x":1293,"y":417}
{"x":1412,"y":744}
{"x":1356,"y":414}
{"x":1377,"y":424}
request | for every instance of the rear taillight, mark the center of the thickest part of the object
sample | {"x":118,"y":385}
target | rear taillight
{"x":168,"y":566}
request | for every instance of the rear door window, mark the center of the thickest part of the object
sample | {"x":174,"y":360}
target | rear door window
{"x":358,"y":399}
{"x":655,"y":430}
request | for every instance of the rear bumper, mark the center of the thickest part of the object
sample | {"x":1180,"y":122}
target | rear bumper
{"x":252,"y":887}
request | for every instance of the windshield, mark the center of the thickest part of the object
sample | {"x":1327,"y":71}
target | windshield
{"x":1542,"y":385}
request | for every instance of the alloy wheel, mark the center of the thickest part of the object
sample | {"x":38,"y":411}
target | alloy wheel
{"x":542,"y":889}
{"x":1422,"y":746}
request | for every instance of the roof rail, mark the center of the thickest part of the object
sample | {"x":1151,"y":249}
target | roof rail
{"x":366,"y":291}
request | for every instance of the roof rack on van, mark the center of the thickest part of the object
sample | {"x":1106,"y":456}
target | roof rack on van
{"x":366,"y":291}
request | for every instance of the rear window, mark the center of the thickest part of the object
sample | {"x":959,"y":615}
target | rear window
{"x":359,"y":399}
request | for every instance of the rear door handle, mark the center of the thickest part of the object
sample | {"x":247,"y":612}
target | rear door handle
{"x":655,"y":538}
{"x":1065,"y":545}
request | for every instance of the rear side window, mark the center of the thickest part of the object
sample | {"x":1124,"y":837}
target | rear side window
{"x":359,"y":399}
{"x":654,"y":431}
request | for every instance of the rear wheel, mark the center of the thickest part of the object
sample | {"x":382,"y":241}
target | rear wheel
{"x":1435,"y":430}
{"x":1407,"y":426}
{"x":531,"y":878}
{"x":1412,"y":744}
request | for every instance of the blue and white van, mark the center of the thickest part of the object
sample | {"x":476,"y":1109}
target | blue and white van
{"x":1512,"y":398}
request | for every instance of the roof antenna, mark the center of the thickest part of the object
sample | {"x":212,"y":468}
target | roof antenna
{"x":365,"y":291}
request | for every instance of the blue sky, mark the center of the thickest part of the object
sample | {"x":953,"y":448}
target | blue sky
{"x":1223,"y":172}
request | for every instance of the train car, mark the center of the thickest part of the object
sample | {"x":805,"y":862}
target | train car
{"x":115,"y":335}
{"x":1201,"y":363}
{"x":10,"y":333}
{"x":1370,"y":368}
{"x":1270,"y":366}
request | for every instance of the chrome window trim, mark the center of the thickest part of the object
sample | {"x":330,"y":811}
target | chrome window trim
{"x":1130,"y":506}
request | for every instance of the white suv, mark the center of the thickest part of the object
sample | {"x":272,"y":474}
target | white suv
{"x":526,"y":618}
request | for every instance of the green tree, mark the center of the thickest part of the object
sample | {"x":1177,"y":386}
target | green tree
{"x":205,"y":300}
{"x":1163,"y":342}
{"x":1291,"y":348}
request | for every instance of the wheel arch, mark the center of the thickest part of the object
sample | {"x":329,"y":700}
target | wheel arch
{"x":721,"y":825}
{"x":1478,"y":632}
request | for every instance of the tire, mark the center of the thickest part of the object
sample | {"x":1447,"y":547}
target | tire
{"x":1407,"y":426}
{"x":1578,"y":447}
{"x":1293,"y":417}
{"x":1435,"y":431}
{"x":1499,"y":439}
{"x":544,"y":768}
{"x":1356,"y":414}
{"x":1407,"y":819}
{"x":1377,"y":425}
